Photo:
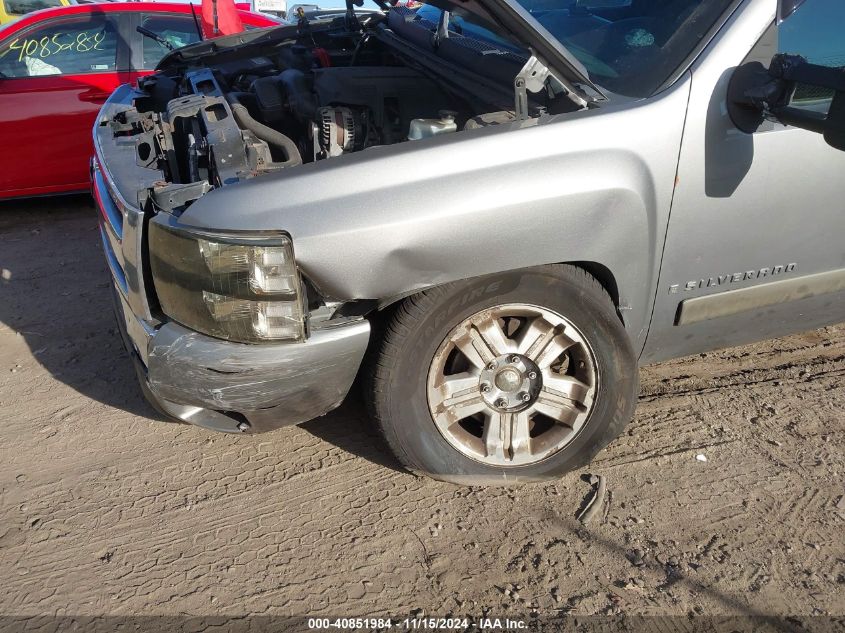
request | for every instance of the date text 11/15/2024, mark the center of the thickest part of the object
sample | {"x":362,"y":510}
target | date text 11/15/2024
{"x":417,"y":624}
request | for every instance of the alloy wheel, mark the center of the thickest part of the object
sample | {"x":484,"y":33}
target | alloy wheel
{"x":512,"y":385}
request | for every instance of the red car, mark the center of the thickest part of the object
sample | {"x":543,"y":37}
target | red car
{"x":58,"y":66}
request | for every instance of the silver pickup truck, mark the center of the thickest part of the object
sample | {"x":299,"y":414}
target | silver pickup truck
{"x":488,"y":211}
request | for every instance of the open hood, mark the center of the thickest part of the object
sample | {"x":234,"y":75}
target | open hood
{"x":221,"y":45}
{"x":507,"y":15}
{"x":514,"y":19}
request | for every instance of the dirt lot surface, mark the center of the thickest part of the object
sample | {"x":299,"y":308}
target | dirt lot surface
{"x":106,"y":510}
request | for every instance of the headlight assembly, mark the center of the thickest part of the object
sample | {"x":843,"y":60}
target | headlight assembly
{"x":240,"y":288}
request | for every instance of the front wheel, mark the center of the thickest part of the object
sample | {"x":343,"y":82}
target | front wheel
{"x":504,"y":379}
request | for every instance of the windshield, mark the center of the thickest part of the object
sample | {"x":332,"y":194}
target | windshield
{"x":463,"y":23}
{"x":630,"y":47}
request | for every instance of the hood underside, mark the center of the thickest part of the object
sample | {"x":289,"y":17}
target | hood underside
{"x":503,"y":15}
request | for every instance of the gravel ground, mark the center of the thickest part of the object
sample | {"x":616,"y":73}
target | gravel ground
{"x":105,"y":509}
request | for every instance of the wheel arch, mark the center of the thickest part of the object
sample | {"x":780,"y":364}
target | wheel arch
{"x":377,"y":311}
{"x":400,"y":385}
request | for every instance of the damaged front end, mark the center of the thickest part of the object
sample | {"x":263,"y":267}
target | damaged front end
{"x":195,"y":145}
{"x":219,"y":113}
{"x":219,"y":325}
{"x":226,"y":330}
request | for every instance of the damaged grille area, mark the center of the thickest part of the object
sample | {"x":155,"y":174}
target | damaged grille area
{"x":196,"y":143}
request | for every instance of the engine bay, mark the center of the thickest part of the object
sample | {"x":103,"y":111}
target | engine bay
{"x":299,"y":95}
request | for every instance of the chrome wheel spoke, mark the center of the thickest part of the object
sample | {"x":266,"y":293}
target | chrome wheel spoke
{"x":484,"y":341}
{"x":566,"y":387}
{"x":466,"y":344}
{"x":462,"y":405}
{"x":507,"y":435}
{"x":458,"y":384}
{"x":543,"y":342}
{"x":520,"y":434}
{"x":559,"y":409}
{"x":457,"y":397}
{"x":494,"y":337}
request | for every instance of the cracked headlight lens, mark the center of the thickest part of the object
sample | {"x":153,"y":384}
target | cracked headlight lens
{"x":241,"y":288}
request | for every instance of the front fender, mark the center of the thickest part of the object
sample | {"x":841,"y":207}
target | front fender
{"x":592,"y":186}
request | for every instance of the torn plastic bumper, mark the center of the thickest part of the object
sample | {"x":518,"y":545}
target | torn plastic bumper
{"x":237,"y":388}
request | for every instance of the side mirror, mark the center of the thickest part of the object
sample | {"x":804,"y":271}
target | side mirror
{"x":787,"y":8}
{"x":793,"y":92}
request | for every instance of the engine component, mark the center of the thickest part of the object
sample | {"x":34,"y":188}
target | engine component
{"x":257,"y":65}
{"x":489,"y":118}
{"x":289,"y":91}
{"x":297,"y":88}
{"x":340,"y":130}
{"x":270,"y":98}
{"x":424,"y":128}
{"x":267,"y":134}
{"x":393,"y":95}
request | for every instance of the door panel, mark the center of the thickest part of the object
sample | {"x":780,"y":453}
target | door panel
{"x":57,"y":75}
{"x":750,"y":210}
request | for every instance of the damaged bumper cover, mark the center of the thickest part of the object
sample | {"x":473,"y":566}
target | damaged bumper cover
{"x":237,"y":387}
{"x":234,"y":387}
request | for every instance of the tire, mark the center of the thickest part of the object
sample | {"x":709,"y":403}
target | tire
{"x":428,"y":335}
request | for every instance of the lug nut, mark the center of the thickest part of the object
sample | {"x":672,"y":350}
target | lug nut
{"x":514,"y":359}
{"x":501,"y":403}
{"x":492,"y":365}
{"x":532,"y":375}
{"x":485,"y":387}
{"x":524,"y":396}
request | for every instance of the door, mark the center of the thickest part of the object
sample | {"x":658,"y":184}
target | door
{"x":55,"y":76}
{"x":756,"y":240}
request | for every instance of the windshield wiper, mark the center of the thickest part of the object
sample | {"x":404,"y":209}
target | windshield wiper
{"x":154,"y":36}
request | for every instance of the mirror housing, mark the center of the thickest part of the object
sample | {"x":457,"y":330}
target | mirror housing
{"x":756,"y":94}
{"x":787,"y":8}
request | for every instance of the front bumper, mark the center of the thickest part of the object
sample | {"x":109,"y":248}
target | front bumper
{"x":209,"y":382}
{"x":235,"y":387}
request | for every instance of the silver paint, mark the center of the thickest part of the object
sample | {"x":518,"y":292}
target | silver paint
{"x":593,"y":186}
{"x":761,"y":296}
{"x":271,"y":385}
{"x":596,"y":186}
{"x":774,"y":196}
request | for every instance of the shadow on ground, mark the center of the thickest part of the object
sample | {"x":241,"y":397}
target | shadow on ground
{"x":55,"y":294}
{"x":350,"y":428}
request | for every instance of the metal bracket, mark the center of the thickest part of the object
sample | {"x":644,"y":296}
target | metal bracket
{"x":442,"y":32}
{"x":534,"y":77}
{"x":531,"y":78}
